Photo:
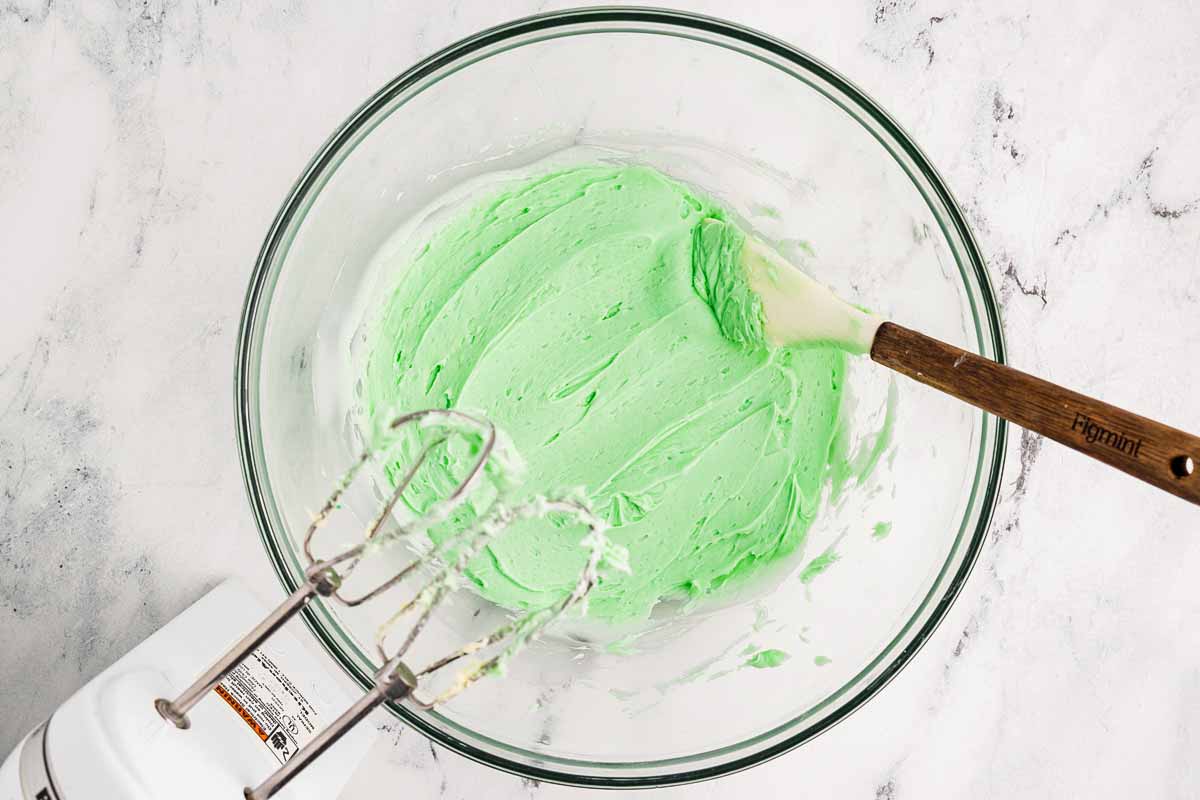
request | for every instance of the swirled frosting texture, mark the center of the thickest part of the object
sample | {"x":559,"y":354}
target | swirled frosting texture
{"x":599,"y":317}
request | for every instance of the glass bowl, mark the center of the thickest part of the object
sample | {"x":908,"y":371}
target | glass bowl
{"x":812,"y":164}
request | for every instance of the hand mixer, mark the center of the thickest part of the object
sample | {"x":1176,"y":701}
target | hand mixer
{"x":83,"y":752}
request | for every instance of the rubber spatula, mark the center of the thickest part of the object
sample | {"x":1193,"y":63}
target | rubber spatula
{"x":797,"y":309}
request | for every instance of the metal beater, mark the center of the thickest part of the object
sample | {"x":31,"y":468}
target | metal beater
{"x":395,"y":681}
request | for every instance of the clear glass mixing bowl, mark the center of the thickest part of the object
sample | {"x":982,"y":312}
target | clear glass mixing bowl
{"x":811,"y":163}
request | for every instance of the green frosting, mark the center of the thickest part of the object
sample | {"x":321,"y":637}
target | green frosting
{"x":720,"y":282}
{"x":767,"y":659}
{"x":600,"y":317}
{"x":818,"y":566}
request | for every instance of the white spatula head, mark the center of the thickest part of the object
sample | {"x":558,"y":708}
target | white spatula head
{"x":759,"y":299}
{"x":798,"y":310}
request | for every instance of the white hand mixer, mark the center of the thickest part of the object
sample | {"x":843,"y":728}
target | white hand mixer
{"x":106,"y":741}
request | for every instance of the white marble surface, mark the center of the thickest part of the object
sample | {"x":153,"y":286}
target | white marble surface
{"x":144,"y":148}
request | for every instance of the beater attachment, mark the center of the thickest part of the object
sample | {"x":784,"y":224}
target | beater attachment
{"x":447,"y":560}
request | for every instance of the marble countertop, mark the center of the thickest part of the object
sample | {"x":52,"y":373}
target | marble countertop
{"x":144,"y":148}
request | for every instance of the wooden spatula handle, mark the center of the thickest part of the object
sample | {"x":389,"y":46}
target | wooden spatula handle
{"x":1158,"y":454}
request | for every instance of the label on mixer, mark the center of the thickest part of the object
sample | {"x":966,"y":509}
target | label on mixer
{"x":274,"y":707}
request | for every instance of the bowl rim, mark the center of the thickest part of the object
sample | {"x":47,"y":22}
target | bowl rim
{"x":358,"y":123}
